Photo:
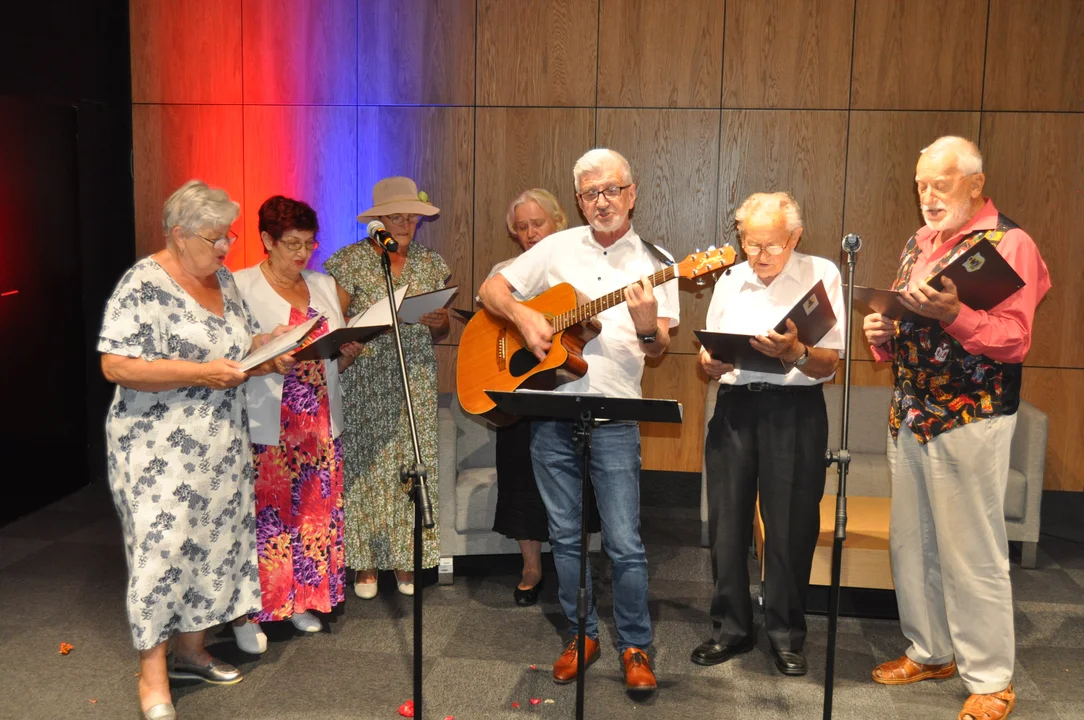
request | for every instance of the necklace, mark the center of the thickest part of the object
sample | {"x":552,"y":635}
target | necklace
{"x":266,"y":266}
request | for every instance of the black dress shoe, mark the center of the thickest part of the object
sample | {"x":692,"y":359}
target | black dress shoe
{"x":524,"y":598}
{"x":713,"y":652}
{"x":790,"y":663}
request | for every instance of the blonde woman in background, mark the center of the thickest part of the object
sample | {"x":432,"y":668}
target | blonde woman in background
{"x":520,"y":514}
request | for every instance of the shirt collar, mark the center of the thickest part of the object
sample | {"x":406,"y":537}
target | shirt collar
{"x":984,"y":219}
{"x":629,"y":238}
{"x":791,"y":271}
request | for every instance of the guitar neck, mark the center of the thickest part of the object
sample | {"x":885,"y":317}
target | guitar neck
{"x":604,"y":303}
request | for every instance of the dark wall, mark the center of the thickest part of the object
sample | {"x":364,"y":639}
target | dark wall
{"x":65,"y":95}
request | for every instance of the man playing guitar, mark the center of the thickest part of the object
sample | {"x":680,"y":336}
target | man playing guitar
{"x":606,"y":254}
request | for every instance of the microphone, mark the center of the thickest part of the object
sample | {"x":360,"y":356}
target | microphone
{"x":376,"y":231}
{"x":852,"y":243}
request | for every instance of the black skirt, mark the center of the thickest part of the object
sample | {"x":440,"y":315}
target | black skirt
{"x":521,"y":514}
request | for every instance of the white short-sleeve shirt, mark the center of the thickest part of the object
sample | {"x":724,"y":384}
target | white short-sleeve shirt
{"x":615,"y":359}
{"x":742,"y":304}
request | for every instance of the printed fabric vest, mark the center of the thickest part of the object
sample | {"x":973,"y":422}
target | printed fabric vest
{"x":939,"y":384}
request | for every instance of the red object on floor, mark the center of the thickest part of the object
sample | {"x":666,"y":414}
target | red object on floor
{"x":536,"y":701}
{"x":407,"y":709}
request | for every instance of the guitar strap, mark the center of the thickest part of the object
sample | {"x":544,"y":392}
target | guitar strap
{"x":662,"y":255}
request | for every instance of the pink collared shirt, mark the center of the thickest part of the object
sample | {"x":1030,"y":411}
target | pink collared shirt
{"x":1002,"y":333}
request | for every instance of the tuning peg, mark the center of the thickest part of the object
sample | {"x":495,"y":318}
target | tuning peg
{"x":700,"y":280}
{"x":710,"y":248}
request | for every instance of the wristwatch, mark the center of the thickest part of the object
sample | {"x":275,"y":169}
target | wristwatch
{"x":803,"y":358}
{"x":647,"y":339}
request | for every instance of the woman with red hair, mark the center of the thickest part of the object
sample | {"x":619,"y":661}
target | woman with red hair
{"x":295,"y":422}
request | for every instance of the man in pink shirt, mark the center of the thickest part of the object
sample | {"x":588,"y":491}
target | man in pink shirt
{"x":957,"y":388}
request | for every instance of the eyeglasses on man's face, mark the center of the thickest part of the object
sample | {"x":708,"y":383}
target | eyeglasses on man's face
{"x":610,"y":193}
{"x":222,"y":243}
{"x":403,"y":220}
{"x":754,"y":250}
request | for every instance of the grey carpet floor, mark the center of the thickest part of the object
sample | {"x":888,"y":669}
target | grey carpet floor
{"x":62,"y":578}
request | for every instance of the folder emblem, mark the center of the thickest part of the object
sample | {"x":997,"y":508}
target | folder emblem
{"x":974,"y":262}
{"x":810,"y":304}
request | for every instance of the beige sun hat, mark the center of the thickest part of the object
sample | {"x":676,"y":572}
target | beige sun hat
{"x":396,"y":195}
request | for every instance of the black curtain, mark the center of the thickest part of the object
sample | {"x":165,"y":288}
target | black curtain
{"x":66,"y":235}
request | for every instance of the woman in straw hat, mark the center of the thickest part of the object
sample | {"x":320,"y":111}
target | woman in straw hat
{"x":376,"y":439}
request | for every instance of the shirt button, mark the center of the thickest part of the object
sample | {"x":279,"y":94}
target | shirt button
{"x":600,"y":277}
{"x":605,"y":253}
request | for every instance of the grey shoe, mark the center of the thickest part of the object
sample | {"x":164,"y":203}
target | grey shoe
{"x":215,"y":672}
{"x":161,"y":711}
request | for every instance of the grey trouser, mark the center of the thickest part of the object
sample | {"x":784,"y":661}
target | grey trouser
{"x":950,"y":555}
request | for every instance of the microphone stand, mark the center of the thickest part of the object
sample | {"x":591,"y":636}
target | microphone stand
{"x":842,"y":460}
{"x":413,"y":476}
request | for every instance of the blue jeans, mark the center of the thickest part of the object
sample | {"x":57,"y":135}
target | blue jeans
{"x":615,"y":475}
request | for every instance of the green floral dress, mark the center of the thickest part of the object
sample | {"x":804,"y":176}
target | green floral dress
{"x":376,"y":439}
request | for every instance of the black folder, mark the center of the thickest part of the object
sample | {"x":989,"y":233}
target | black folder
{"x":736,"y":350}
{"x":983,"y":277}
{"x":812,"y":315}
{"x":327,"y":346}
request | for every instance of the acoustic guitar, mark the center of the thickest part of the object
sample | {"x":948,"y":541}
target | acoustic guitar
{"x":493,"y":355}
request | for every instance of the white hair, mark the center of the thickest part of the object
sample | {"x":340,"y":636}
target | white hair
{"x":195,"y":206}
{"x":968,"y":157}
{"x":600,"y":160}
{"x":545,"y":200}
{"x":772,"y":205}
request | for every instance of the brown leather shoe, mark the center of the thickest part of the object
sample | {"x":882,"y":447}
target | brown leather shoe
{"x":993,"y":706}
{"x":904,"y":671}
{"x":638,"y":674}
{"x":564,"y":670}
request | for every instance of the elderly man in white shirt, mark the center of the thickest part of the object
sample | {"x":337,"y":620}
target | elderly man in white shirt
{"x":769,"y":433}
{"x":607,"y":254}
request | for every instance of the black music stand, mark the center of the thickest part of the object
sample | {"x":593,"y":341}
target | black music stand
{"x":585,"y":411}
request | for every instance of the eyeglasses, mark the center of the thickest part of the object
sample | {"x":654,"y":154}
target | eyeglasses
{"x":610,"y":193}
{"x":223,"y":243}
{"x":399,"y":219}
{"x":294,"y":245}
{"x":754,"y":250}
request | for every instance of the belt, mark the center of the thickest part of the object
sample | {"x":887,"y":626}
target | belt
{"x":769,"y":387}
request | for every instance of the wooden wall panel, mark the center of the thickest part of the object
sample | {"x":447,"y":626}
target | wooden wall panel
{"x":1034,"y":59}
{"x":1060,"y":394}
{"x":172,"y":144}
{"x":654,"y":54}
{"x":185,"y":52}
{"x":799,"y":151}
{"x":538,"y":53}
{"x":787,"y":53}
{"x":434,"y":147}
{"x":446,"y":358}
{"x":665,"y":446}
{"x":298,"y":51}
{"x":1034,"y":174}
{"x":674,"y":156}
{"x":919,"y":54}
{"x":523,"y":148}
{"x":416,"y":52}
{"x":881,"y":203}
{"x":281,"y":159}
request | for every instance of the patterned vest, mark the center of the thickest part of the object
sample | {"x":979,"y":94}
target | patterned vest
{"x":939,"y":385}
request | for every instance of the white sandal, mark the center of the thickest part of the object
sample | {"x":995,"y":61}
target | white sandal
{"x":250,"y":638}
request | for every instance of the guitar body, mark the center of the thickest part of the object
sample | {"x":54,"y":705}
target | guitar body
{"x":493,"y":355}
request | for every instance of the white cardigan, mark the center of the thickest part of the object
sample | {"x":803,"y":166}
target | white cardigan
{"x":263,"y":394}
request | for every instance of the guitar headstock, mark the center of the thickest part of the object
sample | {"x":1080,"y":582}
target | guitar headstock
{"x":707,"y":261}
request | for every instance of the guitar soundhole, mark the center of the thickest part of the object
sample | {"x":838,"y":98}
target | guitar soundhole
{"x":522,"y":362}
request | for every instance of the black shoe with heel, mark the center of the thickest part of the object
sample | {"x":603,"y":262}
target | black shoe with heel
{"x":526,"y":598}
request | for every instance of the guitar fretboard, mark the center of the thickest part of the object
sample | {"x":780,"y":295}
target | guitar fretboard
{"x":607,"y":301}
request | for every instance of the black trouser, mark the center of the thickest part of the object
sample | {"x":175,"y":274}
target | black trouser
{"x":777,"y":437}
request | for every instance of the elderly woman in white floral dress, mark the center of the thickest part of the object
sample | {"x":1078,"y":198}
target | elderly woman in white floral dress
{"x":178,"y":447}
